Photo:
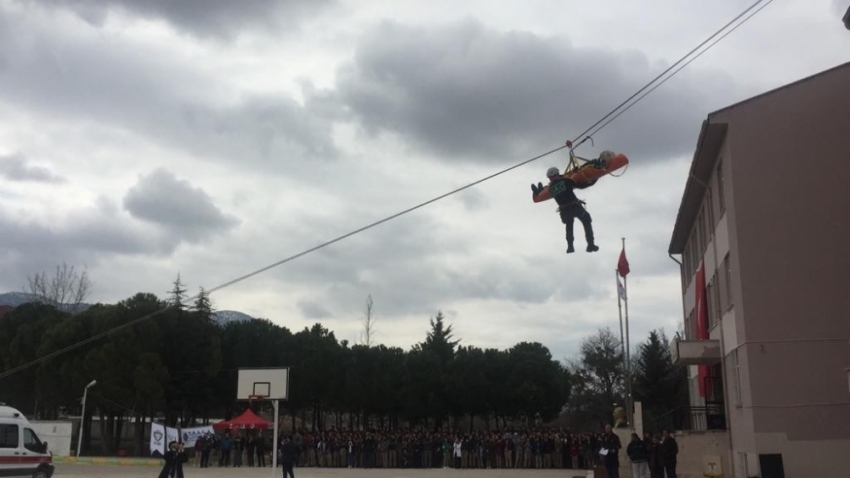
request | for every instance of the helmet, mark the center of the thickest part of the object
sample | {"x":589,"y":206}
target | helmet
{"x":552,"y":172}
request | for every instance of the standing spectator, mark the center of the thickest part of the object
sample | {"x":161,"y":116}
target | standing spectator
{"x":458,"y":452}
{"x":499,"y":451}
{"x":671,"y":449}
{"x":169,"y":457}
{"x":179,"y":458}
{"x":226,"y":446}
{"x":288,"y":453}
{"x":261,"y":450}
{"x":209,"y":444}
{"x":199,"y":451}
{"x":238,"y":448}
{"x":611,"y":444}
{"x":448,"y":447}
{"x":639,"y":456}
{"x":656,"y":458}
{"x":251,"y":448}
{"x":574,"y":451}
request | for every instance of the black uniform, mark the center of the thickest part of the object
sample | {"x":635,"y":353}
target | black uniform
{"x":288,"y":453}
{"x":561,"y":189}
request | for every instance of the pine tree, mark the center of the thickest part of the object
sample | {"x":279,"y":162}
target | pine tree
{"x":177,"y":294}
{"x":203,"y":305}
{"x":658,"y":384}
{"x":439,"y":340}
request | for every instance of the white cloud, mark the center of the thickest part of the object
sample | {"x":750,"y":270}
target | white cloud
{"x":242,"y":129}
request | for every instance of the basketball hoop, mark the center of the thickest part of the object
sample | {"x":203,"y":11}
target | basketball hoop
{"x":251,"y":399}
{"x":264,"y":384}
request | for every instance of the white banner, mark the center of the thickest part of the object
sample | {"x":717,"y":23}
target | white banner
{"x":161,"y":437}
{"x":190,"y":435}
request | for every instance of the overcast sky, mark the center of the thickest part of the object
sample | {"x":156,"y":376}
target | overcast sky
{"x":211,"y":138}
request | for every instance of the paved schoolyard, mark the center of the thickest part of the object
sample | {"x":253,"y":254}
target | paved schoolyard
{"x":64,"y":470}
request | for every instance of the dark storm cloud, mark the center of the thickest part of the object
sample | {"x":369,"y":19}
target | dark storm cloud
{"x":188,"y":211}
{"x":203,"y":18}
{"x":467,"y":91}
{"x":87,"y":236}
{"x":313,"y":309}
{"x":95,"y":233}
{"x":155,"y":94}
{"x":16,"y":168}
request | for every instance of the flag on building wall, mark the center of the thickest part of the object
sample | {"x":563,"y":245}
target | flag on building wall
{"x":623,"y":264}
{"x":701,"y":316}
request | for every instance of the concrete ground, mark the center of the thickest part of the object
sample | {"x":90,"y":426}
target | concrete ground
{"x":64,"y":470}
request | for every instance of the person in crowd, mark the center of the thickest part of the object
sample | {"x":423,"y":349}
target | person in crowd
{"x":639,"y":456}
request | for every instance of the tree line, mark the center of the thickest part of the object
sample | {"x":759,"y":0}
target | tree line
{"x":180,"y":367}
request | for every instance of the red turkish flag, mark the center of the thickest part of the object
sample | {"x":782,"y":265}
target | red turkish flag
{"x":623,"y":263}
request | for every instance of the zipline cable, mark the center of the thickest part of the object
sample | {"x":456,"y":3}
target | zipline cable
{"x":662,"y":74}
{"x":679,"y":69}
{"x":133,"y":322}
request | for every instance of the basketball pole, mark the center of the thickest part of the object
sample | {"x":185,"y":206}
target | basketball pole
{"x":274,"y":456}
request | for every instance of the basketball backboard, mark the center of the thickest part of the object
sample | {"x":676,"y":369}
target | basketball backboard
{"x":270,"y":383}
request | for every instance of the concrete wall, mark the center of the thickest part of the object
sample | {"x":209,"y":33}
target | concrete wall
{"x":694,"y":448}
{"x":799,"y":457}
{"x":56,"y":434}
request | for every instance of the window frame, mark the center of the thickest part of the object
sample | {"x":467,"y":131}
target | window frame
{"x":737,"y":374}
{"x":727,"y":271}
{"x":38,"y":444}
{"x":720,"y":187}
{"x":17,"y":435}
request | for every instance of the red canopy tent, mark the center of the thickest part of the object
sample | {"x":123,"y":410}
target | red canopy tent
{"x":247,"y":421}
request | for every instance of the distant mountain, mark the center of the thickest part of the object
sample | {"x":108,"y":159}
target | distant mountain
{"x":14,"y":299}
{"x":222,"y":317}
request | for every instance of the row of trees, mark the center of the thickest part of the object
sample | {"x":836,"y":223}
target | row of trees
{"x":180,"y":366}
{"x":597,"y":379}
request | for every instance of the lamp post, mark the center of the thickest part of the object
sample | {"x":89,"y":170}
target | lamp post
{"x":83,"y":416}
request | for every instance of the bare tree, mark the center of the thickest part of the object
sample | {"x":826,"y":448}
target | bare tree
{"x":368,"y":324}
{"x":67,"y":288}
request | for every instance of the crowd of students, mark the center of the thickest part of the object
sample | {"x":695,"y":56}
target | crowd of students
{"x":540,"y":448}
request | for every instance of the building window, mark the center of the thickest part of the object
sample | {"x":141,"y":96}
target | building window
{"x":715,"y":313}
{"x":737,"y":374}
{"x":718,"y":310}
{"x":712,"y":312}
{"x":721,"y":193}
{"x":689,"y":327}
{"x":727,"y":271}
{"x":709,"y":205}
{"x":700,"y":239}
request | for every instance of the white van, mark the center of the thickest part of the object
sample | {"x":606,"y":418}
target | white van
{"x":22,"y":453}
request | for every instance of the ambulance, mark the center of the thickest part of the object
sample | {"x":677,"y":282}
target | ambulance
{"x":22,"y":453}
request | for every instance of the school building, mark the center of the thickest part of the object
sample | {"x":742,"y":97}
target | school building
{"x":763,"y":240}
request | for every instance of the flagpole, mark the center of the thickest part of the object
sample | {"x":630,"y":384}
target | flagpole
{"x":620,"y":306}
{"x":629,"y":407}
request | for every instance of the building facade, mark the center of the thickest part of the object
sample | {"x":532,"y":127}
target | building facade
{"x":763,"y":233}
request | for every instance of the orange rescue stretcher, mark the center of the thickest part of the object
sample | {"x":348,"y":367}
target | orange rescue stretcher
{"x":589,"y":172}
